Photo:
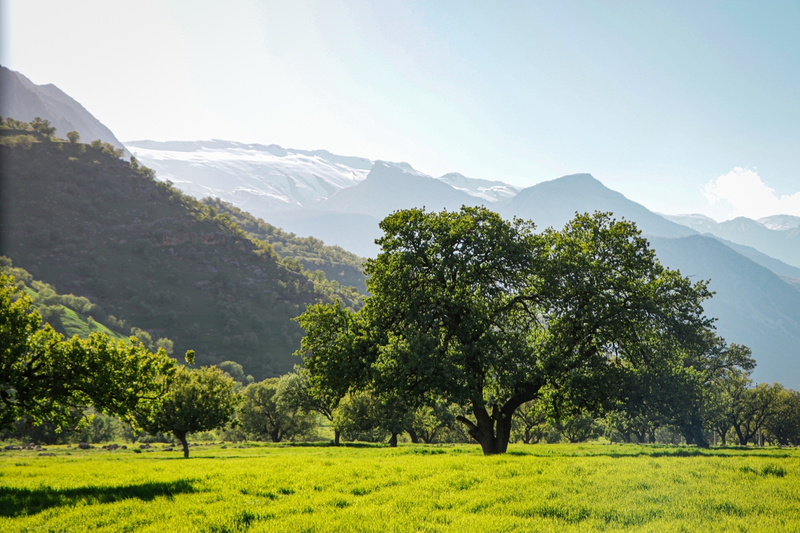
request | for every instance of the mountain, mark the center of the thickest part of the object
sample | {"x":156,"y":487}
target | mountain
{"x":487,"y":190}
{"x":553,"y":203}
{"x":355,"y":232}
{"x":780,"y":222}
{"x":261,"y":179}
{"x":391,"y":186}
{"x":754,"y":306}
{"x":777,"y":236}
{"x":299,"y":190}
{"x":23,"y":100}
{"x":90,"y":224}
{"x":786,"y":271}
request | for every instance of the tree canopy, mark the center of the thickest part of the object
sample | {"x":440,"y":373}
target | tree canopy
{"x":487,"y":313}
{"x":45,"y":377}
{"x":197,"y":400}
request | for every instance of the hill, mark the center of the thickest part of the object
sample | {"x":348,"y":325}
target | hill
{"x":777,"y":236}
{"x":24,"y":100}
{"x":754,"y":306}
{"x":68,"y":314}
{"x":337,"y":263}
{"x":91,"y":224}
{"x":553,"y":203}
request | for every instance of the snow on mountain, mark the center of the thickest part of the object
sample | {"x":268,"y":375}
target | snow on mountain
{"x":780,"y":222}
{"x":491,"y":191}
{"x":254,"y":177}
{"x":696,"y":221}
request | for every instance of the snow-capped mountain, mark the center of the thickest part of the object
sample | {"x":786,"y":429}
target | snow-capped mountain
{"x":255,"y":177}
{"x":490,"y":191}
{"x":780,"y":222}
{"x":777,"y":236}
{"x":268,"y":180}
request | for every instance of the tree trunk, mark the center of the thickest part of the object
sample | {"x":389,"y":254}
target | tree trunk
{"x":493,"y":434}
{"x":413,"y":435}
{"x":275,"y":435}
{"x":740,"y":435}
{"x":181,"y":436}
{"x":393,"y":440}
{"x":697,"y":434}
{"x":336,"y":435}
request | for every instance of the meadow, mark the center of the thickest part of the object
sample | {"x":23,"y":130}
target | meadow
{"x":292,"y":488}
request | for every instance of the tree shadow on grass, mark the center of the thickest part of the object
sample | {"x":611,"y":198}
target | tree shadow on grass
{"x":22,"y":502}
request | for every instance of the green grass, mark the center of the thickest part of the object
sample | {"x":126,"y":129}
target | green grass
{"x":411,"y":488}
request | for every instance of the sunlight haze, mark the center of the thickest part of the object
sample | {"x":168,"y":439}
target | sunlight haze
{"x":667,"y":102}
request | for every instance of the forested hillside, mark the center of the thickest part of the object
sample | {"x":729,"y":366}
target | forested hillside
{"x":80,"y":218}
{"x":337,"y":263}
{"x":68,"y":314}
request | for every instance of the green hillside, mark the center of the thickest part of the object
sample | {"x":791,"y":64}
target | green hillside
{"x":68,"y":314}
{"x":337,"y":263}
{"x":88,"y":223}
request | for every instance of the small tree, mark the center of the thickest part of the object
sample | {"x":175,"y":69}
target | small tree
{"x":296,"y":391}
{"x":529,"y":422}
{"x":198,"y":400}
{"x":43,"y":128}
{"x":234,"y":370}
{"x":73,"y":136}
{"x":430,"y":421}
{"x":267,"y":413}
{"x":357,"y":418}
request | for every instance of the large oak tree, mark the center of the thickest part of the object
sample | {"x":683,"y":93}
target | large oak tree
{"x":487,"y":313}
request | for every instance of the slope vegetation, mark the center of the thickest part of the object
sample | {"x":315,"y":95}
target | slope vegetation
{"x":335,"y":262}
{"x":90,"y":224}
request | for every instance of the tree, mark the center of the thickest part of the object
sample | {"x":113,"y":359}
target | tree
{"x":197,"y":400}
{"x":357,"y":418}
{"x":529,"y":421}
{"x":333,"y":334}
{"x":430,"y":421}
{"x":73,"y":136}
{"x":297,"y":391}
{"x":783,"y":426}
{"x":43,"y":127}
{"x":46,"y":378}
{"x":483,"y":312}
{"x":716,"y":397}
{"x":266,"y":412}
{"x":234,"y":370}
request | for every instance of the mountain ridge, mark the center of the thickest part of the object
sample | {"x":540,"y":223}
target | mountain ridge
{"x":24,"y":100}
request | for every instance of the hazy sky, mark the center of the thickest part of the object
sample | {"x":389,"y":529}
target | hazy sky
{"x":682,"y":106}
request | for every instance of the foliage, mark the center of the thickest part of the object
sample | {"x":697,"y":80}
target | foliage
{"x":321,"y":261}
{"x":73,"y":136}
{"x":358,"y":418}
{"x":197,"y":400}
{"x":267,"y":412}
{"x":44,"y":377}
{"x":101,"y":228}
{"x":483,"y":312}
{"x":43,"y":128}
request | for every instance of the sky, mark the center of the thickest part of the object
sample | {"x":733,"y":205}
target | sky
{"x":683,"y":106}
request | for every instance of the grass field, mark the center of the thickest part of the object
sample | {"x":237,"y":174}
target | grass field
{"x":590,"y":487}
